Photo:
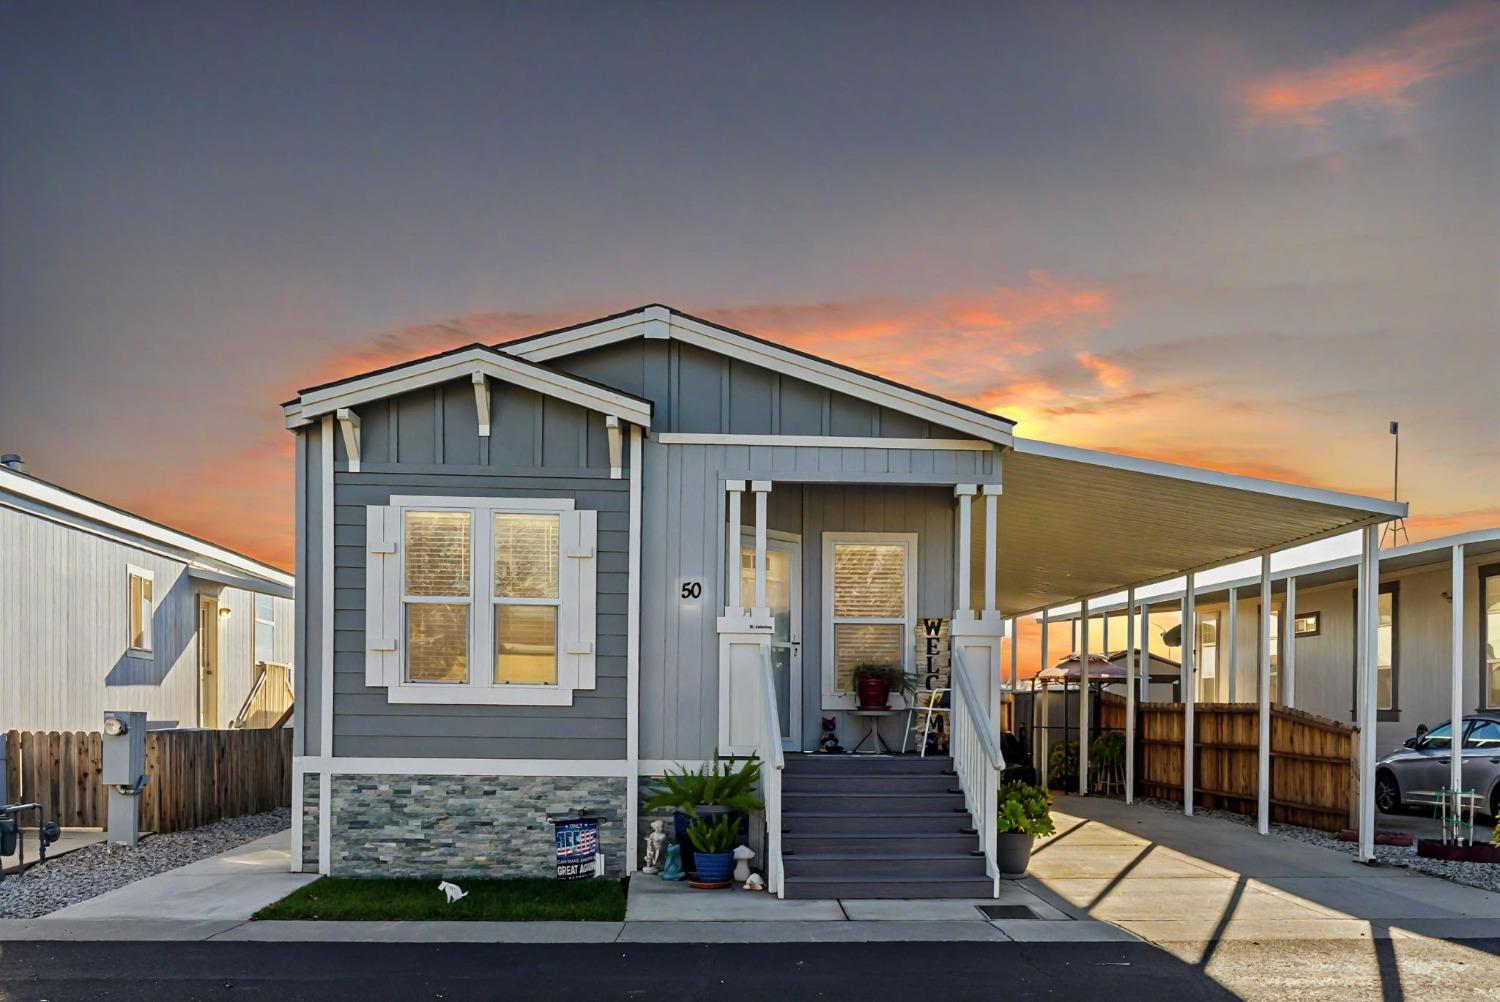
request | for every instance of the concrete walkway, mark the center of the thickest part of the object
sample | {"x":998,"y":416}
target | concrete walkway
{"x":1173,"y":879}
{"x":71,"y":839}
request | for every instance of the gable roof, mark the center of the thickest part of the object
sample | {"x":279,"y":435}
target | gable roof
{"x":466,"y":360}
{"x":658,"y":322}
{"x":41,"y":498}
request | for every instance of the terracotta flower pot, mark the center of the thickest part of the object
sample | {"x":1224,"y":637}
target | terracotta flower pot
{"x":873,"y":693}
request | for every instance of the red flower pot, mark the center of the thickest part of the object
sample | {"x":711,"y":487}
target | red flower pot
{"x":874,"y":693}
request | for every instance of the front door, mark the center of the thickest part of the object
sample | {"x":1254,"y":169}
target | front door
{"x":208,"y":661}
{"x":784,"y":596}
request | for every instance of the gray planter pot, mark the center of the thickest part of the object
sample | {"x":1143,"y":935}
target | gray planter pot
{"x":1013,"y":854}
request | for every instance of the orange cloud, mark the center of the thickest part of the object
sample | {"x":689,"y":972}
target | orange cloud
{"x":1380,"y":75}
{"x":1111,"y":375}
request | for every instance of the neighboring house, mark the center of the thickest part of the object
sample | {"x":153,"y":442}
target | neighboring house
{"x":104,"y":610}
{"x":531,"y":574}
{"x":1414,"y":638}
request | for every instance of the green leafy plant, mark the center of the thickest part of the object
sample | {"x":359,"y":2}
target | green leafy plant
{"x":1025,"y":810}
{"x":899,"y":682}
{"x":713,"y":836}
{"x":1495,"y":836}
{"x":1107,"y":749}
{"x":712,"y":784}
{"x":1063,"y":759}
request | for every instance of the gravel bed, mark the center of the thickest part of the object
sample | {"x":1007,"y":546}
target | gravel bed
{"x":92,"y":870}
{"x":1485,"y":876}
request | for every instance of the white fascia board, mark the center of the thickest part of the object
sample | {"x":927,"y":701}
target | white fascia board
{"x":995,"y":429}
{"x":104,"y":517}
{"x":457,"y":366}
{"x":1213,"y":478}
{"x":363,"y":766}
{"x":827,"y":442}
{"x":259,"y":586}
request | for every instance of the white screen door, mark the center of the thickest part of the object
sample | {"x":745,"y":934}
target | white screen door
{"x":784,"y":596}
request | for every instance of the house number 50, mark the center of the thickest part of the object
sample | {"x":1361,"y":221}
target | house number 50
{"x":692,"y":589}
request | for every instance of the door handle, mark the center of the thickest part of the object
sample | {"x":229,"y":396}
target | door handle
{"x":1445,"y":761}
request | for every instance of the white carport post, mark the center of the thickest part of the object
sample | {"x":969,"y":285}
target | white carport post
{"x":1046,"y":725}
{"x":1083,"y":698}
{"x":1289,"y":645}
{"x":1456,"y":665}
{"x":1130,"y":696}
{"x":1189,"y":688}
{"x":1263,"y":701}
{"x":1231,"y":628}
{"x":1368,"y":624}
{"x":1146,"y":651}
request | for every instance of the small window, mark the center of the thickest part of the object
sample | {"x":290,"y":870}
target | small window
{"x":140,"y":610}
{"x":1309,"y":624}
{"x":1484,"y":734}
{"x":1208,"y":646}
{"x":265,"y":629}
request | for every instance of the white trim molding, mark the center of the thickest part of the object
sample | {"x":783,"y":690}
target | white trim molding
{"x":482,"y":402}
{"x":349,"y":425}
{"x":371,"y":766}
{"x":827,"y":442}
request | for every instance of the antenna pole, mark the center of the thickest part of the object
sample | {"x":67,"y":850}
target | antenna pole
{"x":1395,"y":529}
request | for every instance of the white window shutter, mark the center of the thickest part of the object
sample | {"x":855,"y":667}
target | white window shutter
{"x":579,"y":531}
{"x":382,"y":595}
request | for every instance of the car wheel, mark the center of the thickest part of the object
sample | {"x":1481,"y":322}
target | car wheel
{"x":1387,"y":793}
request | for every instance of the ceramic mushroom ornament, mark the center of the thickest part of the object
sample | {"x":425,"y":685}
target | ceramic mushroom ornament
{"x":742,"y":857}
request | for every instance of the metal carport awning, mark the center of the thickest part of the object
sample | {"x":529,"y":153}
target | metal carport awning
{"x":1078,"y":523}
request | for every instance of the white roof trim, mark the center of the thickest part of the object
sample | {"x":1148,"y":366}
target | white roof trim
{"x":1172,"y":471}
{"x":462,"y":365}
{"x":104,"y":516}
{"x":657,"y":322}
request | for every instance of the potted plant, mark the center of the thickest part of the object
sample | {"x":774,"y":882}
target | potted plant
{"x":1025,"y":812}
{"x":716,"y":789}
{"x":874,"y":683}
{"x":1062,"y":765}
{"x":713,"y":847}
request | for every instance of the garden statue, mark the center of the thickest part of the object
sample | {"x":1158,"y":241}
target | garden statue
{"x":754,"y":883}
{"x":742,"y":856}
{"x":656,"y":844}
{"x":829,"y":742}
{"x":673,"y":869}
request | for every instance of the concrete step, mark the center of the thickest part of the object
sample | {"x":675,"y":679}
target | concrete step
{"x":908,"y":864}
{"x":862,"y":843}
{"x":846,"y":765}
{"x":824,"y":888}
{"x":861,"y":783}
{"x":892,"y":822}
{"x":897,"y":801}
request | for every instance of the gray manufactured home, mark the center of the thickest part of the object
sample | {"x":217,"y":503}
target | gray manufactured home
{"x":532,"y":576}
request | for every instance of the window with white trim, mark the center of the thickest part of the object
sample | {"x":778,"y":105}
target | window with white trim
{"x":869,"y":607}
{"x":139,"y":608}
{"x":265,"y":629}
{"x":482,"y":600}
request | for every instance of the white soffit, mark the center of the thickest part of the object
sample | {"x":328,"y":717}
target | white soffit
{"x":1078,"y":523}
{"x":660,"y":323}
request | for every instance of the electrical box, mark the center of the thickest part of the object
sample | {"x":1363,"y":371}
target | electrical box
{"x":124,"y":748}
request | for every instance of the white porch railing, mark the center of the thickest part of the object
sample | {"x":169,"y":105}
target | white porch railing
{"x":978,"y":762}
{"x":772,"y":763}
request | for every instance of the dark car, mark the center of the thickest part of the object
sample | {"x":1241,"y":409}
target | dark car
{"x":1413,"y":774}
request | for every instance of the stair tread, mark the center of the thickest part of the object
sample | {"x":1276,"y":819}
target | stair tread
{"x":884,"y":856}
{"x":877,"y":835}
{"x":922,"y":879}
{"x":873,"y":814}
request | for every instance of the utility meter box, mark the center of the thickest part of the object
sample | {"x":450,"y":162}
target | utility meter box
{"x":124,"y":748}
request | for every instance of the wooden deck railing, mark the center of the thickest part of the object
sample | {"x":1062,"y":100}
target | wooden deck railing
{"x":269,"y":699}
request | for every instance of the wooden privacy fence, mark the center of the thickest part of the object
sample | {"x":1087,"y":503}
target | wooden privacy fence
{"x":1312,"y":761}
{"x":196,"y":777}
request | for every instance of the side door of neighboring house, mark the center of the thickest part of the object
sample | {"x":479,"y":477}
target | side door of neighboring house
{"x":208,"y":661}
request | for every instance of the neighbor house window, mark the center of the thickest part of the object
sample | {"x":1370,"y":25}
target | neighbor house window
{"x":1275,"y":625}
{"x":265,"y":629}
{"x":869,"y":594}
{"x":486,"y":600}
{"x":1309,"y":624}
{"x":1489,"y":636}
{"x":1387,"y":653}
{"x":140,"y":610}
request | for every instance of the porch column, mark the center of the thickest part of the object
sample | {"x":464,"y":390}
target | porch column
{"x":1367,"y":627}
{"x":760,"y":488}
{"x":1189,"y":687}
{"x":1083,"y":698}
{"x":1015,"y":664}
{"x":1234,"y":644}
{"x":1456,"y":662}
{"x":1289,"y":645}
{"x":744,"y":634}
{"x":1263,"y":701}
{"x":1130,"y":696}
{"x":974,"y":641}
{"x":733,"y":600}
{"x":1045,"y":729}
{"x":963,"y":592}
{"x":991,"y":494}
{"x":1146,"y":652}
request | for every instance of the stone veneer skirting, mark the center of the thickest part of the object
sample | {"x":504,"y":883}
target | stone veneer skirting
{"x":310,"y":821}
{"x":493,"y":826}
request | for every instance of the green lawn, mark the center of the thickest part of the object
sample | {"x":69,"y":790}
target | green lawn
{"x":526,"y":899}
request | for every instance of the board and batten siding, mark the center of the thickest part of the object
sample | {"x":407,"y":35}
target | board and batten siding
{"x":427,"y":443}
{"x":64,"y":615}
{"x":682,"y":539}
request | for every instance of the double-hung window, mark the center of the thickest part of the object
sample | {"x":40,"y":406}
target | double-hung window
{"x":483,"y":600}
{"x":869,"y":598}
{"x":265,"y":629}
{"x":139,"y":611}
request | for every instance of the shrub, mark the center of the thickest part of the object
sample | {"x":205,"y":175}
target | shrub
{"x":1107,"y":749}
{"x":1025,"y":810}
{"x":1063,"y":759}
{"x":713,"y":836}
{"x":721,"y":783}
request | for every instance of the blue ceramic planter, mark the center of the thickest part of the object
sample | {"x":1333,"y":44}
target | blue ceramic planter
{"x":713,"y":867}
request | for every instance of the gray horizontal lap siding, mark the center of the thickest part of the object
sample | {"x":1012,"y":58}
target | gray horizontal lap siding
{"x":540,"y":448}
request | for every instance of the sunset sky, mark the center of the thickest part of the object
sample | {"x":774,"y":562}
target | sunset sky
{"x":1243,"y":236}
